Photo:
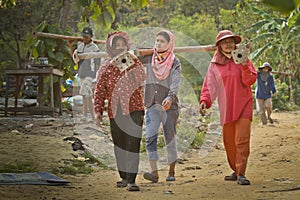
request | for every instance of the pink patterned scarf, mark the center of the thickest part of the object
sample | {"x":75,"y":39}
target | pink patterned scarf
{"x":163,"y":62}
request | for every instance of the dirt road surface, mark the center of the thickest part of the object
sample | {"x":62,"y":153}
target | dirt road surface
{"x":273,"y":166}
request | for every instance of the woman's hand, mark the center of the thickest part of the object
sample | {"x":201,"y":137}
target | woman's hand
{"x":98,"y":119}
{"x":166,"y":104}
{"x":202,"y":108}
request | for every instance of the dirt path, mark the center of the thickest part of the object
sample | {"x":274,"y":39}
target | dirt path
{"x":273,"y":166}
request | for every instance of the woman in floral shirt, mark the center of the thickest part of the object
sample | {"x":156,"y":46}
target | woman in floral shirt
{"x":122,"y":89}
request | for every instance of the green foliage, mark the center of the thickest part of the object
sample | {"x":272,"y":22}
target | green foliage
{"x":140,"y":3}
{"x":104,"y":12}
{"x":275,"y":36}
{"x":73,"y":167}
{"x":17,"y":22}
{"x":283,"y":96}
{"x":199,"y":27}
{"x":66,"y":105}
{"x":23,"y":167}
{"x":276,"y":39}
{"x":93,"y":160}
{"x":50,"y":48}
{"x":194,"y":31}
{"x":294,"y":17}
{"x":198,"y":140}
{"x":189,"y":136}
{"x":7,"y":3}
{"x":297,"y":94}
{"x":237,"y":19}
{"x":285,"y":6}
{"x":212,"y":7}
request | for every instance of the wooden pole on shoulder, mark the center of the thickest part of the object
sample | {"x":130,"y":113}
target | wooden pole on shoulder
{"x":145,"y":52}
{"x":63,"y":37}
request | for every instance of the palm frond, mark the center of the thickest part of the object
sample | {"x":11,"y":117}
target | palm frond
{"x":259,"y":24}
{"x":263,"y":37}
{"x":257,"y":53}
{"x":272,"y":26}
{"x":261,"y":13}
{"x":294,"y":17}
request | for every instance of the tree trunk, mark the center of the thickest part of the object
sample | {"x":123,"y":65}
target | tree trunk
{"x":63,"y":21}
{"x":64,"y":14}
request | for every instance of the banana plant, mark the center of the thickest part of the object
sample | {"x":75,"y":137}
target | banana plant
{"x":276,"y":39}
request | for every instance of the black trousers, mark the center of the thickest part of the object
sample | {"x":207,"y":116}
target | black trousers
{"x":126,"y":133}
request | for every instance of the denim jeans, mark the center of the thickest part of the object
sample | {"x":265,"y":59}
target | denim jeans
{"x":155,"y":116}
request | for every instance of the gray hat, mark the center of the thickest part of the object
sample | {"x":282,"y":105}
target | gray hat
{"x":87,"y":32}
{"x":266,"y":64}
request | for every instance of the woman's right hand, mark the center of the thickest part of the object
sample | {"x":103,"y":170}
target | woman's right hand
{"x":202,"y":108}
{"x":98,"y":119}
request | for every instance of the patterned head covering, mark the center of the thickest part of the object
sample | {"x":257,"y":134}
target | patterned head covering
{"x":163,"y":62}
{"x":111,"y":42}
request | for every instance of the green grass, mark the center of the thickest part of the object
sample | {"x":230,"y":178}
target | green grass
{"x":74,"y":166}
{"x":23,"y":167}
{"x":71,"y":167}
{"x":93,"y":160}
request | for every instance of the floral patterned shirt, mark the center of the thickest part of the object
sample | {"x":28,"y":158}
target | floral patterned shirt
{"x":119,"y":87}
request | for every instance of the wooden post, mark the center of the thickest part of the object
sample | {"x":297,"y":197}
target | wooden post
{"x":63,"y":37}
{"x":144,"y":52}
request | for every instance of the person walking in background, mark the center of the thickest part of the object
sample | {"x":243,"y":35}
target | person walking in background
{"x":87,"y":70}
{"x":265,"y":87}
{"x":231,"y":84}
{"x":121,"y":87}
{"x":161,"y":102}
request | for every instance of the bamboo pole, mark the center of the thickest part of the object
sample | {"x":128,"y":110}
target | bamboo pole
{"x":63,"y":37}
{"x":138,"y":52}
{"x":144,"y":52}
{"x":283,"y":73}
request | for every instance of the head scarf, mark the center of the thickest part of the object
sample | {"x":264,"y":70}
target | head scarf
{"x":111,"y":39}
{"x":219,"y":56}
{"x":162,"y":62}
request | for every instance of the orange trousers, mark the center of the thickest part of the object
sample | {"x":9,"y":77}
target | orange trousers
{"x":236,"y":139}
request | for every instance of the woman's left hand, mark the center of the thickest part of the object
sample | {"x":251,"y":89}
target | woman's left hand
{"x":166,"y":104}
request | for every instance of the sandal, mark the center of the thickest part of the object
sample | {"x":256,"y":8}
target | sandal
{"x":122,"y":183}
{"x":271,"y":120}
{"x":150,"y":177}
{"x":231,"y":177}
{"x":242,"y":180}
{"x":170,"y":178}
{"x":132,"y":187}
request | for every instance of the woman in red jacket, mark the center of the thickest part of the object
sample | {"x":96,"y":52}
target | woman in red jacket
{"x":231,"y":84}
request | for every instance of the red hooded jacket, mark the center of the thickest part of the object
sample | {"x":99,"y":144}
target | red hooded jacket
{"x":231,"y":84}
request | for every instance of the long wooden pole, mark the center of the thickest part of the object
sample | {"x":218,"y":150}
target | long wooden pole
{"x":144,"y":52}
{"x":63,"y":37}
{"x":138,"y":52}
